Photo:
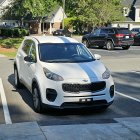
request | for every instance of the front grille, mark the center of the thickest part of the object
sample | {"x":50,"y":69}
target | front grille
{"x":91,"y":87}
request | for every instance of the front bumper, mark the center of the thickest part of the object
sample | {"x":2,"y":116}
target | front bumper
{"x":73,"y":100}
{"x":77,"y":105}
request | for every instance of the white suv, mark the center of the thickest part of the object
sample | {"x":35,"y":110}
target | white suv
{"x":61,"y":72}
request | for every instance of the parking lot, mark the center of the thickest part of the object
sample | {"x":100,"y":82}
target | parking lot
{"x":125,"y":68}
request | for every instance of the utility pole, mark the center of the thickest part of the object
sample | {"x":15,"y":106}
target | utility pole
{"x":63,"y":13}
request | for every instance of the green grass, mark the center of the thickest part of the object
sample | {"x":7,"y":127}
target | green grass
{"x":9,"y":54}
{"x":11,"y":42}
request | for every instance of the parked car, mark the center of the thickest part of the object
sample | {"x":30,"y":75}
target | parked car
{"x":135,"y":30}
{"x":109,"y":37}
{"x":62,"y":32}
{"x":61,"y":72}
{"x":137,"y":39}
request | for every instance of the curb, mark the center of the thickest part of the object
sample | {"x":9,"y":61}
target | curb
{"x":123,"y":129}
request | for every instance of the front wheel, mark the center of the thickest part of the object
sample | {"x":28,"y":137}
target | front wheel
{"x":125,"y":47}
{"x":37,"y":103}
{"x":109,"y":45}
{"x":86,"y":43}
{"x":17,"y":81}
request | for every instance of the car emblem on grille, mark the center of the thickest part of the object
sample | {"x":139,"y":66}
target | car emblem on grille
{"x":85,"y":80}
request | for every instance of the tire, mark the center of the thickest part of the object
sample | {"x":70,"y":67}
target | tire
{"x":17,"y":80}
{"x":37,"y":103}
{"x":86,"y":43}
{"x":125,"y":47}
{"x":109,"y":45}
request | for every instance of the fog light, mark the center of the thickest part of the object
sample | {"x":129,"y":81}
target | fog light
{"x":112,"y":91}
{"x":51,"y":94}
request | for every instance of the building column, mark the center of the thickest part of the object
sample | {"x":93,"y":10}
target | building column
{"x":50,"y":28}
{"x":39,"y":28}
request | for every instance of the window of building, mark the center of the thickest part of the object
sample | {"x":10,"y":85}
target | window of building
{"x":125,"y":11}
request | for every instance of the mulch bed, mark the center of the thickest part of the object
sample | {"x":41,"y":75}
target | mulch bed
{"x":2,"y":49}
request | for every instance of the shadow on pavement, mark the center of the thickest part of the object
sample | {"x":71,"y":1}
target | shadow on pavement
{"x":24,"y":93}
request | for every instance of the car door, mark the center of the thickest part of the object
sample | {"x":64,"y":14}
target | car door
{"x":23,"y":52}
{"x":27,"y":68}
{"x":102,"y":37}
{"x":94,"y":37}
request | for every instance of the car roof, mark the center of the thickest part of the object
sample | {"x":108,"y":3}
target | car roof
{"x":52,"y":39}
{"x":135,"y":28}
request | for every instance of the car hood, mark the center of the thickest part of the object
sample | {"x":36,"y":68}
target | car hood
{"x":86,"y":70}
{"x":86,"y":35}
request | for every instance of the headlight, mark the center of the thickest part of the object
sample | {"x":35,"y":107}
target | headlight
{"x":106,"y":74}
{"x":52,"y":76}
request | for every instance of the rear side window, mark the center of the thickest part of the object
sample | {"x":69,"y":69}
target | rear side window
{"x":133,"y":30}
{"x":137,"y":30}
{"x":111,"y":31}
{"x":123,"y":31}
{"x":103,"y":31}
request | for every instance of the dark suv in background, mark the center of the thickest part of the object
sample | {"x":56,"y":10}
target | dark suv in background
{"x":109,"y":37}
{"x":62,"y":32}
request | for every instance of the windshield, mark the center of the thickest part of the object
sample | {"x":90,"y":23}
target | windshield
{"x":64,"y":53}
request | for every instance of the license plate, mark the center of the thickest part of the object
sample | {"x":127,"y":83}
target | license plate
{"x":126,"y":36}
{"x":86,"y":100}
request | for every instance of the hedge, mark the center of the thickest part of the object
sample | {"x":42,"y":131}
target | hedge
{"x":13,"y":32}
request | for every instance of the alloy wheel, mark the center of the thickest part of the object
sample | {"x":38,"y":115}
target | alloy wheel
{"x":109,"y":45}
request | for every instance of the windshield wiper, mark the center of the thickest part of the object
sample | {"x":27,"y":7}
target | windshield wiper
{"x":58,"y":61}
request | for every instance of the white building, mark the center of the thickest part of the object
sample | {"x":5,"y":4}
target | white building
{"x":131,"y":11}
{"x":51,"y":22}
{"x":3,"y":4}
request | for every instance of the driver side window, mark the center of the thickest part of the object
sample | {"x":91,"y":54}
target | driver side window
{"x":26,"y":46}
{"x":32,"y":51}
{"x":96,"y":32}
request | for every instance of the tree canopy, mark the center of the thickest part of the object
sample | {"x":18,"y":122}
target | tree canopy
{"x":98,"y":11}
{"x":87,"y":12}
{"x":28,"y":9}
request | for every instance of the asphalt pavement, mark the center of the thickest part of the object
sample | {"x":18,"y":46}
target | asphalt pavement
{"x":120,"y":121}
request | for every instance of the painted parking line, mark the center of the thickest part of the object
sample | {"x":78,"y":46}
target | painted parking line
{"x":1,"y":55}
{"x":124,"y":95}
{"x":134,"y":49}
{"x":138,"y":72}
{"x":4,"y":104}
{"x":105,"y":51}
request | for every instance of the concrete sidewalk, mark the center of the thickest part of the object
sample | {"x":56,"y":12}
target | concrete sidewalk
{"x":1,"y":55}
{"x":123,"y":129}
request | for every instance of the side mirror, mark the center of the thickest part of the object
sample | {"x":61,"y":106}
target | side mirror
{"x":97,"y":56}
{"x":29,"y":58}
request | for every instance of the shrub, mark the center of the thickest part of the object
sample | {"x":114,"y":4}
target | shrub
{"x":24,"y":32}
{"x":17,"y":32}
{"x":13,"y":32}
